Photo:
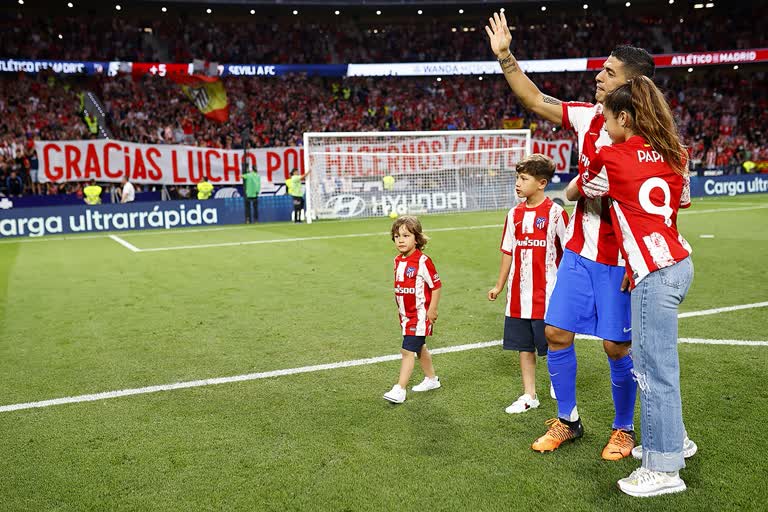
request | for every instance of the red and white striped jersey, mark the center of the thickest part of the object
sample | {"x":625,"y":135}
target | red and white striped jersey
{"x":415,"y":278}
{"x":590,"y":232}
{"x":647,"y":194}
{"x":534,"y":238}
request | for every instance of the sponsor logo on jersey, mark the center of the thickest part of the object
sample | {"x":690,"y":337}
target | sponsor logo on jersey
{"x":435,"y":277}
{"x":527,"y":242}
{"x":541,"y":222}
{"x":401,"y":290}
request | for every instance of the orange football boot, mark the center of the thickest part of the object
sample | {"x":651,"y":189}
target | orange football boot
{"x":619,"y":445}
{"x":557,"y":434}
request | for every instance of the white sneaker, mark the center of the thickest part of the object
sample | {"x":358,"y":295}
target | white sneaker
{"x":522,"y":404}
{"x":644,"y":483}
{"x":427,"y":384}
{"x":689,"y":449}
{"x":552,"y":391}
{"x":396,"y":395}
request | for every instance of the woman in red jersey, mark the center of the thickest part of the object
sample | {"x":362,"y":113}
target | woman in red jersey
{"x":645,"y":174}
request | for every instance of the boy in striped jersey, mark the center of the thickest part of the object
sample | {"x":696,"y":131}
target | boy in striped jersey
{"x":417,"y":293}
{"x":531,"y":246}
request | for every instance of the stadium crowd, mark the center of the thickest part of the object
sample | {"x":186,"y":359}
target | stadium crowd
{"x":722,"y":116}
{"x":401,"y":37}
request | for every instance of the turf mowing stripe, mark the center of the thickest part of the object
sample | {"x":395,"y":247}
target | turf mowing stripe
{"x":125,"y":244}
{"x":345,"y":364}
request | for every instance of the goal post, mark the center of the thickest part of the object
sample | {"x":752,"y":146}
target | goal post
{"x":370,"y":174}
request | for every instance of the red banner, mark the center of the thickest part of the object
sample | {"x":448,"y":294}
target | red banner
{"x":672,"y":60}
{"x":430,"y":153}
{"x":109,"y":160}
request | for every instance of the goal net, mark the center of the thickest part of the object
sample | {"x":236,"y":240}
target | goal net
{"x":370,"y":174}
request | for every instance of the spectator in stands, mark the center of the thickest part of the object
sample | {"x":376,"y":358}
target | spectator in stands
{"x":128,"y":192}
{"x":14,"y":184}
{"x":564,"y":31}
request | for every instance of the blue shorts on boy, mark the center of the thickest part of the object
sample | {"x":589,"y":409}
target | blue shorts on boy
{"x":524,"y":335}
{"x":587,"y":299}
{"x":414,"y":343}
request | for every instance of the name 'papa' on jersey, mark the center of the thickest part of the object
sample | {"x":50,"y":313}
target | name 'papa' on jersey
{"x":647,"y":195}
{"x":415,"y":279}
{"x":590,"y":232}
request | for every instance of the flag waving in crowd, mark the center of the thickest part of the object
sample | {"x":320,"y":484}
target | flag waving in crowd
{"x":207,"y":93}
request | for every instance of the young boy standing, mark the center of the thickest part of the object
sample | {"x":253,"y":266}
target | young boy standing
{"x":531,"y":249}
{"x":417,"y":293}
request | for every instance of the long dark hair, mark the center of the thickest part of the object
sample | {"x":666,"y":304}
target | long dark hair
{"x":413,"y":225}
{"x":651,"y":119}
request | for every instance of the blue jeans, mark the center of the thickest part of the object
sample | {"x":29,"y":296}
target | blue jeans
{"x":657,"y":368}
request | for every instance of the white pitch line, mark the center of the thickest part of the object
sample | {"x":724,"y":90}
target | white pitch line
{"x":125,"y":244}
{"x":726,"y":309}
{"x":697,"y":341}
{"x":304,"y":239}
{"x":720,"y":210}
{"x":227,"y":228}
{"x":182,"y":231}
{"x":356,"y":235}
{"x":343,"y":364}
{"x":703,"y":341}
{"x":20,"y":240}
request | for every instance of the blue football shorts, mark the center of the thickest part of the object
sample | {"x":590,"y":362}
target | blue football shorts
{"x":587,"y":299}
{"x":414,"y":343}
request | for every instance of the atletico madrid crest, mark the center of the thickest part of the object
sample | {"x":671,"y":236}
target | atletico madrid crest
{"x":540,"y":222}
{"x":410,"y":272}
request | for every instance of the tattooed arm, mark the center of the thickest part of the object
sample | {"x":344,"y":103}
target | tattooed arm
{"x":529,"y":95}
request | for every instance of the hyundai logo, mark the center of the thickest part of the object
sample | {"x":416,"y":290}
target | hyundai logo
{"x":345,"y":205}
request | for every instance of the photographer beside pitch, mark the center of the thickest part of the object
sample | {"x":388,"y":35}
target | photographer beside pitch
{"x":590,"y":295}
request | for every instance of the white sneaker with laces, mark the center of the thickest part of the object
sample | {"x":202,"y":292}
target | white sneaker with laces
{"x":522,"y":404}
{"x":689,"y":449}
{"x":552,"y":392}
{"x":644,"y":483}
{"x":427,"y":384}
{"x":396,"y":395}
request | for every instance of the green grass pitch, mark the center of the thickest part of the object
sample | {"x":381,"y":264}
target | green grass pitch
{"x":86,"y":315}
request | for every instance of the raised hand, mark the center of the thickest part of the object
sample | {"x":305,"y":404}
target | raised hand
{"x":498,"y":33}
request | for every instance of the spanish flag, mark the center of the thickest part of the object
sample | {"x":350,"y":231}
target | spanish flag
{"x":512,"y":123}
{"x":207,"y":93}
